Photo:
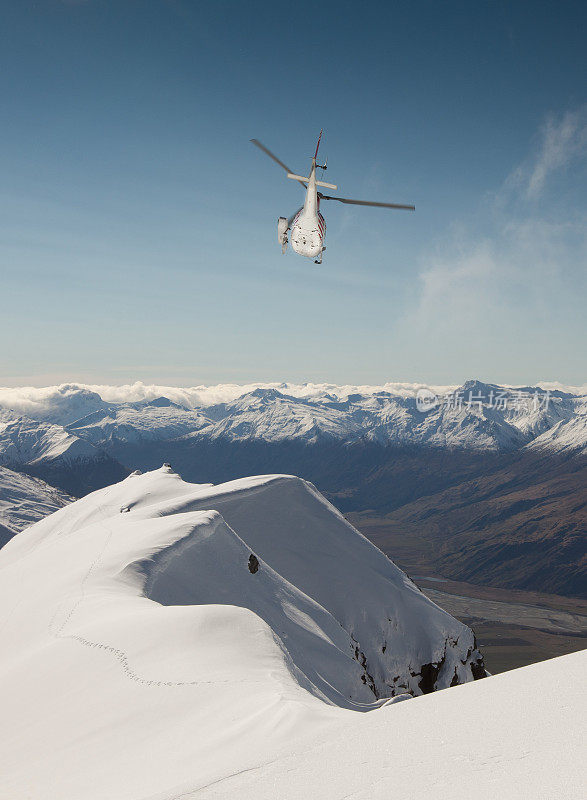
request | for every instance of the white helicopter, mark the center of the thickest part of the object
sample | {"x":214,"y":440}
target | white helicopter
{"x":307,"y":225}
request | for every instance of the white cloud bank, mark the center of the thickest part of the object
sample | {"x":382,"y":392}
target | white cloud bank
{"x":29,"y":400}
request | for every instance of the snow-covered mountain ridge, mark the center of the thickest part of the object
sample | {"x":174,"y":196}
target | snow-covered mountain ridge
{"x":185,"y":544}
{"x":218,"y":641}
{"x":476,"y":416}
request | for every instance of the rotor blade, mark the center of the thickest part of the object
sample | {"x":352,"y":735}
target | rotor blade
{"x":268,"y":152}
{"x":367,"y":203}
{"x":272,"y":156}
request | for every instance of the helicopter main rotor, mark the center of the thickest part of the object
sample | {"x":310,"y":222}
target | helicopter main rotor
{"x":365,"y":202}
{"x":347,"y":200}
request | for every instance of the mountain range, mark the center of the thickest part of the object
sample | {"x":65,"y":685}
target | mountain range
{"x":494,"y":476}
{"x":476,"y":416}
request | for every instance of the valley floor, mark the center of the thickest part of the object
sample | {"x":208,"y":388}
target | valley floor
{"x":513,"y":628}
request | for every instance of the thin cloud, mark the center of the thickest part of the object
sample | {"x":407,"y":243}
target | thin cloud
{"x":508,"y":263}
{"x":562,"y":142}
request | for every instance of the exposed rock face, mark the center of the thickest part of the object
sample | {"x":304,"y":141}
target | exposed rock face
{"x":366,"y":678}
{"x":253,"y":563}
{"x":429,"y":674}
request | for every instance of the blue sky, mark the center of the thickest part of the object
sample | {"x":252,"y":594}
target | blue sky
{"x":138,"y":225}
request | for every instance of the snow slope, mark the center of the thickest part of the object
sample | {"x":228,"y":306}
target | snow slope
{"x":25,"y":500}
{"x":517,"y":735}
{"x":55,"y":454}
{"x":155,"y":420}
{"x":157,"y":633}
{"x":568,"y":436}
{"x":25,"y":441}
{"x":309,"y":543}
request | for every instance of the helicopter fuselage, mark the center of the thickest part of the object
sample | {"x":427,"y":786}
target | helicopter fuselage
{"x":308,"y":227}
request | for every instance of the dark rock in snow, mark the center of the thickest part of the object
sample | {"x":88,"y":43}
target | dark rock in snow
{"x":253,"y":563}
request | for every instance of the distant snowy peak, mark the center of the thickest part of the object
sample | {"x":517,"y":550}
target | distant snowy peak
{"x":567,"y":437}
{"x":25,"y":442}
{"x":61,"y":405}
{"x":25,"y":500}
{"x":134,"y":423}
{"x":269,"y":415}
{"x":56,"y":455}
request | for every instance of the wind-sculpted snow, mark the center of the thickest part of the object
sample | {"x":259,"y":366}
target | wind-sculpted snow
{"x":161,"y":639}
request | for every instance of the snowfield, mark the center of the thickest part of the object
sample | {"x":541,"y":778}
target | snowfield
{"x":164,"y":640}
{"x":513,"y":736}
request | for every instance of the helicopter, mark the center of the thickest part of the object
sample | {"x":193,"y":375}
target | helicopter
{"x":307,"y":224}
